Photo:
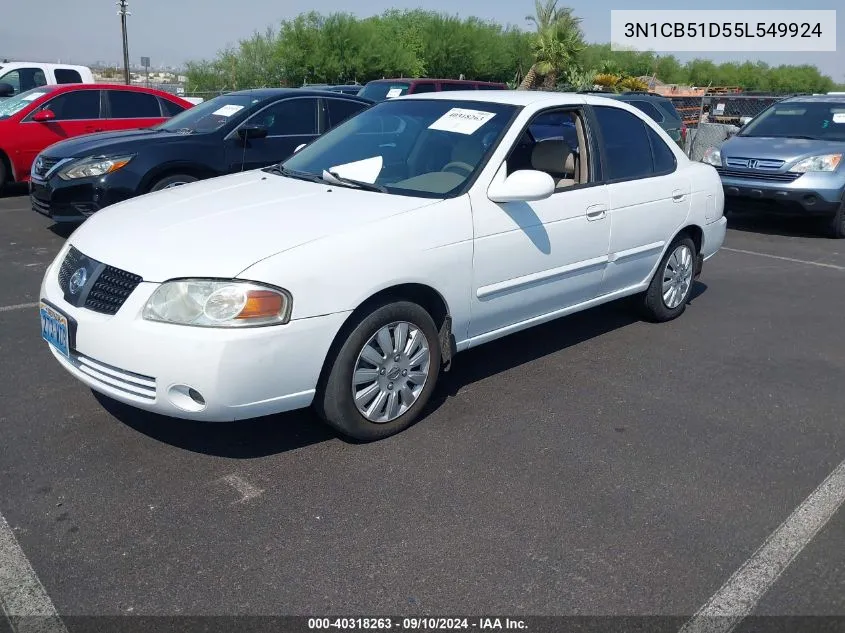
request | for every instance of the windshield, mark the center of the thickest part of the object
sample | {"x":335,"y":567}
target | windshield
{"x":381,"y":90}
{"x":429,"y":148}
{"x":11,"y":106}
{"x":210,"y":115}
{"x":810,"y":119}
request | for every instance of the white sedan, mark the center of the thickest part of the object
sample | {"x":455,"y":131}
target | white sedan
{"x":348,"y":277}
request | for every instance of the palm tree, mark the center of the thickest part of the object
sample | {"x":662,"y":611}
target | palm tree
{"x":556,"y":43}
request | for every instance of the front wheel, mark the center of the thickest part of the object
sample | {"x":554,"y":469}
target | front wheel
{"x":383,"y":374}
{"x":175,"y":180}
{"x":671,"y":286}
{"x":836,"y":228}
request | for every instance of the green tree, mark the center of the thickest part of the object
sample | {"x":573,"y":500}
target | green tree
{"x":557,"y":42}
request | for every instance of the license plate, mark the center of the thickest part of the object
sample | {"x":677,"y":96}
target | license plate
{"x":54,"y":329}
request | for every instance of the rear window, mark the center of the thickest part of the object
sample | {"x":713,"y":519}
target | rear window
{"x":381,"y":90}
{"x":67,"y":76}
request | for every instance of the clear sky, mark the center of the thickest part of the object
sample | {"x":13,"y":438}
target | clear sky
{"x":171,"y":32}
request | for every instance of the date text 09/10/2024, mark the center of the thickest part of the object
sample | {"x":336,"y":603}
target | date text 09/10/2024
{"x":418,"y":624}
{"x":723,"y":29}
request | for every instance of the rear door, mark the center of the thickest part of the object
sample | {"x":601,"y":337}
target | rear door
{"x":289,"y":123}
{"x":127,"y":109}
{"x":649,"y":195}
{"x":77,"y":112}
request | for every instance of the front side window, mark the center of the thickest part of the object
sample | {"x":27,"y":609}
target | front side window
{"x":209,"y":116}
{"x":553,"y":144}
{"x":125,"y":104}
{"x":23,"y":79}
{"x":427,"y":148}
{"x":815,"y":120}
{"x":627,"y":151}
{"x":11,"y":106}
{"x":77,"y":105}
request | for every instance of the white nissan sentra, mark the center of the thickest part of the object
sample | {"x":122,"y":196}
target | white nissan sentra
{"x":348,"y":277}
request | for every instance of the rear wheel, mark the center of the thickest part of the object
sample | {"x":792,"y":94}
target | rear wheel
{"x":383,"y":374}
{"x":176,"y":180}
{"x":671,"y":286}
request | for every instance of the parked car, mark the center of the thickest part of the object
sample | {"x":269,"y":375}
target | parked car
{"x":659,"y":108}
{"x":381,"y":89}
{"x":18,"y":77}
{"x":234,"y":132}
{"x":347,"y":89}
{"x":40,"y":117}
{"x":788,"y":160}
{"x":347,"y":277}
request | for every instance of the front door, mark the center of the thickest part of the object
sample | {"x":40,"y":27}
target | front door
{"x":77,"y":113}
{"x":536,"y":258}
{"x":289,"y":123}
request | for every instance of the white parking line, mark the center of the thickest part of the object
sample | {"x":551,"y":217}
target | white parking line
{"x":22,"y":597}
{"x":19,"y":306}
{"x":786,"y":259}
{"x":739,"y":596}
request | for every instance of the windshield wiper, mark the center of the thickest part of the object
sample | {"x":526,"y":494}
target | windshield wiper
{"x":367,"y":186}
{"x":299,"y":175}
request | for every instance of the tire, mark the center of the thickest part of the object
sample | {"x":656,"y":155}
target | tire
{"x":836,"y":225}
{"x":172,"y":181}
{"x":654,"y":307}
{"x":335,"y":402}
{"x":3,"y":174}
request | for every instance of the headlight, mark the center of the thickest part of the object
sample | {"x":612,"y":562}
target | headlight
{"x":712,"y":156}
{"x":213,"y":303}
{"x":826,"y":162}
{"x":91,"y":167}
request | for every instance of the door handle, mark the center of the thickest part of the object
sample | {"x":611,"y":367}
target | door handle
{"x":678,"y":195}
{"x":596,"y":212}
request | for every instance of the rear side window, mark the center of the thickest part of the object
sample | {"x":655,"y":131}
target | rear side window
{"x":80,"y":104}
{"x":169,"y":108}
{"x":627,"y":150}
{"x":663,"y":157}
{"x":342,"y":109}
{"x":291,"y":117}
{"x":424,"y":87}
{"x":67,"y":76}
{"x":649,"y":109}
{"x":124,"y":104}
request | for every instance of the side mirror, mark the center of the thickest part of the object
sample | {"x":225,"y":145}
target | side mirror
{"x":43,"y":116}
{"x":522,"y":186}
{"x":7,"y":90}
{"x":252,"y":131}
{"x":299,"y":147}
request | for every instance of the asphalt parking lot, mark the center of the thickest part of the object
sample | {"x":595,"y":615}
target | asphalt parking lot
{"x":597,"y":465}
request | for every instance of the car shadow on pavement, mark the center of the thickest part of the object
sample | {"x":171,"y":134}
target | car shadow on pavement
{"x":275,"y":434}
{"x":13,"y":191}
{"x":530,"y":345}
{"x":245,"y":439}
{"x":784,"y":226}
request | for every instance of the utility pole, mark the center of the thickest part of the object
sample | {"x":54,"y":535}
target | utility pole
{"x":123,"y":12}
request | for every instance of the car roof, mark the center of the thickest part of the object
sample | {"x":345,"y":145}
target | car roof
{"x":512,"y":97}
{"x":427,"y":79}
{"x":269,"y":93}
{"x":815,"y":99}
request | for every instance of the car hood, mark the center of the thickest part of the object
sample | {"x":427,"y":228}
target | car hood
{"x":108,"y":142}
{"x":221,"y":226}
{"x":774,"y":148}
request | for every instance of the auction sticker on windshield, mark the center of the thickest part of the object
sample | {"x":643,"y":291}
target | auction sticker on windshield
{"x":54,"y":329}
{"x":33,"y":96}
{"x":462,"y":121}
{"x":228,"y":110}
{"x":394,"y":92}
{"x":839,"y":117}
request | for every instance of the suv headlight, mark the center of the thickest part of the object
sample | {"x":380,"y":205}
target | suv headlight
{"x":93,"y":166}
{"x":826,"y":162}
{"x":218,"y":303}
{"x":712,"y":156}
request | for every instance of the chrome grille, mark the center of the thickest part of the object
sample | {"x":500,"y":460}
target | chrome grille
{"x":127,"y":382}
{"x":753,"y":163}
{"x":758,"y":175}
{"x":72,"y":261}
{"x":43,"y":164}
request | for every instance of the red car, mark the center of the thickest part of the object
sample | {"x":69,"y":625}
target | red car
{"x":37,"y":118}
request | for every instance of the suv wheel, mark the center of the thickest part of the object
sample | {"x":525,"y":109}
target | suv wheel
{"x":836,"y":227}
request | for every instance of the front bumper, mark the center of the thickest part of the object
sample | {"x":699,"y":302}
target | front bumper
{"x":76,"y":200}
{"x":806,"y":195}
{"x":239,"y":374}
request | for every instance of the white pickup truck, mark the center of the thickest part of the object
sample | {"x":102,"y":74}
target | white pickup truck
{"x":22,"y":76}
